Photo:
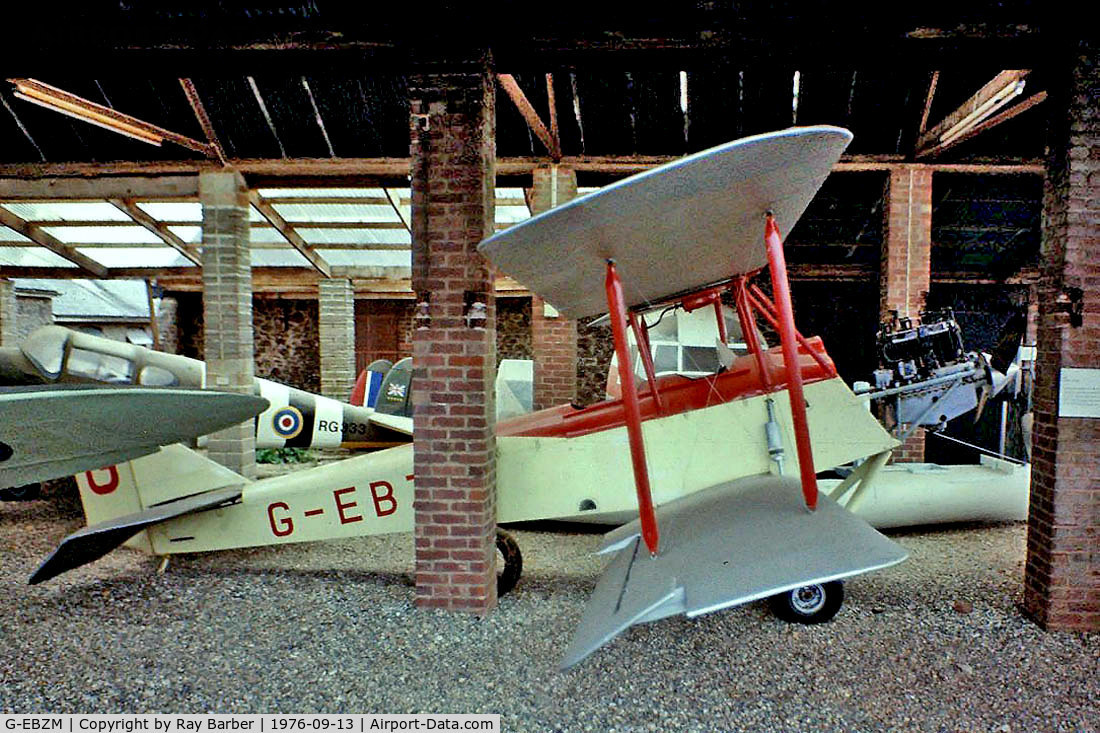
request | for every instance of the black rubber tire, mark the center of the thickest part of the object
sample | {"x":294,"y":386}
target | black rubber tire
{"x":810,"y":604}
{"x":511,"y":568}
{"x":27,"y":492}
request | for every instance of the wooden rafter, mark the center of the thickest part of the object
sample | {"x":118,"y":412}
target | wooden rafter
{"x":508,"y":83}
{"x":289,"y":234}
{"x":395,"y":205}
{"x":1008,"y":114}
{"x":161,"y":230}
{"x":928,"y":102}
{"x":207,"y":126}
{"x":973,"y":111}
{"x":96,"y":114}
{"x":37,"y":235}
{"x":552,"y":103}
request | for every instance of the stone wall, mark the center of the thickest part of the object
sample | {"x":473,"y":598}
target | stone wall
{"x":513,"y":328}
{"x":285,"y":333}
{"x":31,"y":313}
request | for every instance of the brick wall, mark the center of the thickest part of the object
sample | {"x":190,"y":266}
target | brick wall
{"x":452,"y":121}
{"x":553,"y":338}
{"x":554,"y":343}
{"x":905,"y":270}
{"x":1062,"y":577}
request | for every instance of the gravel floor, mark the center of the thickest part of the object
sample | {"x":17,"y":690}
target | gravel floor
{"x":331,"y":628}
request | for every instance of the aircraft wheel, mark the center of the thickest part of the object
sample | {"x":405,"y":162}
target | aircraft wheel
{"x":27,"y":492}
{"x":509,"y":562}
{"x":810,"y":604}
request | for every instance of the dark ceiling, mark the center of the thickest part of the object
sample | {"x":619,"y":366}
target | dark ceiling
{"x":600,"y":113}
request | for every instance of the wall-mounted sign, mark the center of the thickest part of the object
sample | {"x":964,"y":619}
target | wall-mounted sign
{"x":1079,"y":393}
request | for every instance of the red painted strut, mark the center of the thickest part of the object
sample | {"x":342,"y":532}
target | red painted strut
{"x":777,"y":265}
{"x":616,"y":307}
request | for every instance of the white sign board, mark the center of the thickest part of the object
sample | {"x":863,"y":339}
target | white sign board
{"x":1079,"y":393}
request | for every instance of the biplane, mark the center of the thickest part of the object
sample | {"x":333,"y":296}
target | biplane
{"x":720,"y":469}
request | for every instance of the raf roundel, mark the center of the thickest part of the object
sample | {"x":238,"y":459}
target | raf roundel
{"x":287,"y":422}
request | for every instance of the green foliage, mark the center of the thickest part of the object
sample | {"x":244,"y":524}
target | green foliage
{"x":284,"y":455}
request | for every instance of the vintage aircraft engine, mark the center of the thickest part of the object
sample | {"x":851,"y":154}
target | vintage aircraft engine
{"x":927,"y":369}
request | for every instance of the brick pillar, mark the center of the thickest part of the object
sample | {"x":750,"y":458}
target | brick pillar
{"x":454,"y":356}
{"x":8,"y":328}
{"x":1062,"y":577}
{"x":336,"y":326}
{"x":553,"y":338}
{"x":227,"y":308}
{"x":905,"y":273}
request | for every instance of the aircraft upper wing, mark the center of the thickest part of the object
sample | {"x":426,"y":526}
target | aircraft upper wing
{"x":732,"y":543}
{"x":54,"y":431}
{"x":678,"y":227}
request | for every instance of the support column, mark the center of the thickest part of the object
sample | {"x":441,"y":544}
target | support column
{"x":905,"y":274}
{"x":227,"y":308}
{"x":454,"y":342}
{"x":336,"y":326}
{"x":8,"y":329}
{"x":553,"y":338}
{"x":1062,"y":576}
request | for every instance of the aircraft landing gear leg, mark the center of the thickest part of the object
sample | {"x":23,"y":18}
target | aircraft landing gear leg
{"x":810,"y":604}
{"x":509,"y":562}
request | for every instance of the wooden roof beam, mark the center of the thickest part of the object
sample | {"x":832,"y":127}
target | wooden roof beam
{"x":84,"y":110}
{"x":276,"y":220}
{"x":39,"y":236}
{"x":553,"y":145}
{"x":207,"y":126}
{"x":981,"y":127}
{"x":132,"y":210}
{"x":997,"y":92}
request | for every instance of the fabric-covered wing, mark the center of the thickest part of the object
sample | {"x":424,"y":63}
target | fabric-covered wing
{"x":48,"y":432}
{"x":730,"y":544}
{"x":677,"y":227}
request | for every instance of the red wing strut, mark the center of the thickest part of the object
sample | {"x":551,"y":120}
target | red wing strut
{"x":616,"y":308}
{"x":777,"y":265}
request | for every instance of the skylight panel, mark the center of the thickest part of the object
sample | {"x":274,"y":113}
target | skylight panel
{"x":66,"y":211}
{"x":136,"y":256}
{"x":103,"y":235}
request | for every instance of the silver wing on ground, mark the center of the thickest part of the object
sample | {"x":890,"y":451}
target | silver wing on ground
{"x":733,"y":543}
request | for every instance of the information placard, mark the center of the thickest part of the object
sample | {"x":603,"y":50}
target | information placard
{"x":1079,"y":393}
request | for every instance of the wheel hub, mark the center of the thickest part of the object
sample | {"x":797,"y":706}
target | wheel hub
{"x":808,"y":599}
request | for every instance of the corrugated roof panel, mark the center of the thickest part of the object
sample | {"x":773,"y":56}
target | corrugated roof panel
{"x":277,"y":258}
{"x":368,"y":258}
{"x":103,"y":235}
{"x":67,"y":211}
{"x":136,"y":256}
{"x":32,"y":257}
{"x":173,"y":211}
{"x":337,"y":212}
{"x":512,"y":214}
{"x":256,"y":235}
{"x":10,"y":235}
{"x":511,"y":193}
{"x":323,"y":236}
{"x":330,"y":193}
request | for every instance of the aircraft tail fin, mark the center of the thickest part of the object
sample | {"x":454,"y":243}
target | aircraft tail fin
{"x":174,"y":472}
{"x":95,"y":541}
